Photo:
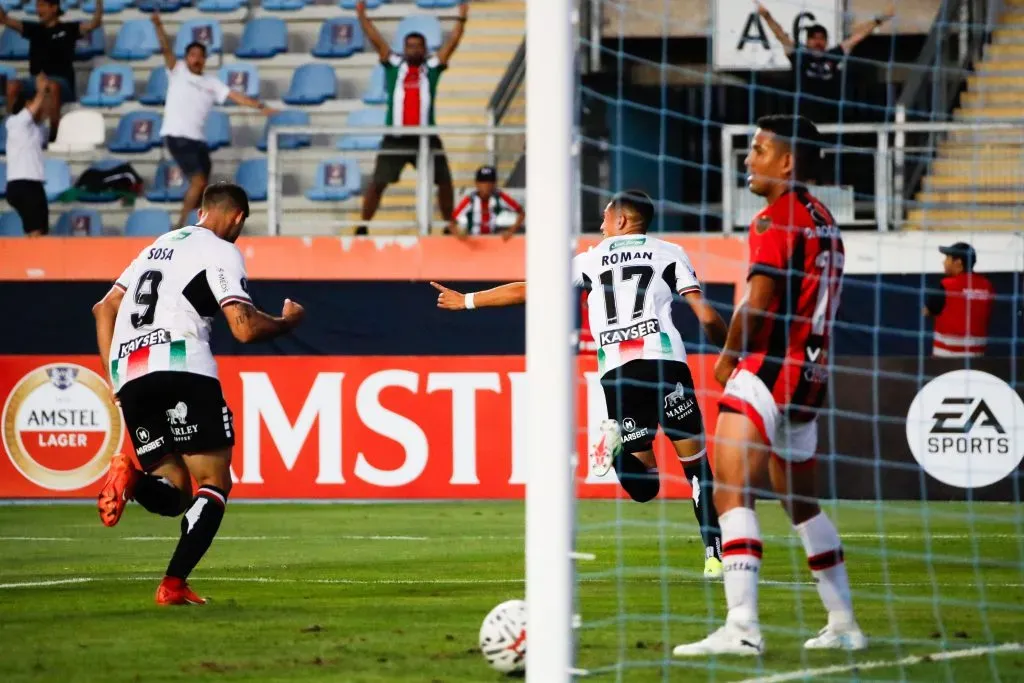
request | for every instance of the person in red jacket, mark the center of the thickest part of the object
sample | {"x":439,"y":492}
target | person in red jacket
{"x":962,"y":307}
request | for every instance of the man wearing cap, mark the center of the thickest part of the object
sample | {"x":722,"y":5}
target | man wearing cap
{"x":487,"y":210}
{"x":51,"y":51}
{"x":962,"y":306}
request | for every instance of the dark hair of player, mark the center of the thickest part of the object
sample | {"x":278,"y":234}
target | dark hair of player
{"x":194,"y":44}
{"x":225,"y":197}
{"x":816,"y":30}
{"x":637,"y":204}
{"x":802,"y":136}
{"x":416,"y":35}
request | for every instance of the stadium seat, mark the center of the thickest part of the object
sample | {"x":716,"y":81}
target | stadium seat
{"x":93,"y":44}
{"x":363,"y":118}
{"x":370,"y":4}
{"x":336,"y":180}
{"x":156,"y":87}
{"x":428,"y":25}
{"x":12,"y":46}
{"x":205,"y":31}
{"x":147,"y":223}
{"x":136,"y":40}
{"x":3,"y":179}
{"x":164,"y":6}
{"x":193,"y":217}
{"x":109,"y":85}
{"x":375,"y":93}
{"x":10,"y":225}
{"x":29,"y":7}
{"x":339,"y":37}
{"x":217,"y":130}
{"x":252,"y":176}
{"x":437,"y":4}
{"x":9,"y":5}
{"x":81,"y":130}
{"x":312,"y":84}
{"x":220,"y":5}
{"x":3,"y":139}
{"x":284,"y":5}
{"x":78,"y":222}
{"x":241,"y":77}
{"x":58,"y":178}
{"x":109,"y":6}
{"x":263,"y":38}
{"x":292,"y":140}
{"x":137,"y":131}
{"x":169,"y":185}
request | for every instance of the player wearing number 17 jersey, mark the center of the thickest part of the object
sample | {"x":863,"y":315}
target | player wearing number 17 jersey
{"x":153,"y":331}
{"x":775,"y":371}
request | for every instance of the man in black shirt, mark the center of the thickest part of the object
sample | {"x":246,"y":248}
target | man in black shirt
{"x":51,"y":51}
{"x":817,"y":70}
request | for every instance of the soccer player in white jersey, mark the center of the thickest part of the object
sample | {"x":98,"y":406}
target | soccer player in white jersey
{"x":155,"y":343}
{"x":632,"y":280}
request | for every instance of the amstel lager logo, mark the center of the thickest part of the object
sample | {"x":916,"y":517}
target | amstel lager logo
{"x":60,"y":428}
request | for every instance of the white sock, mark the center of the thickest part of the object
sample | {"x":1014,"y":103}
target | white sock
{"x":741,"y":564}
{"x":825,"y":558}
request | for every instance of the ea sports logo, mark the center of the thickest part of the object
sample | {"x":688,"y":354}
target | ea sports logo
{"x":59,"y":427}
{"x":966,"y":429}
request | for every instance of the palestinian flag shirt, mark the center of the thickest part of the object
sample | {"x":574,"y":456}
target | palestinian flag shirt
{"x":411,"y":90}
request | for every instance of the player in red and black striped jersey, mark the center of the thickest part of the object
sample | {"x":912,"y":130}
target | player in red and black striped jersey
{"x":774,"y":368}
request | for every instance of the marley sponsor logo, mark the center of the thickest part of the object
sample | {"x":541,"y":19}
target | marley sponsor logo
{"x":631,"y":242}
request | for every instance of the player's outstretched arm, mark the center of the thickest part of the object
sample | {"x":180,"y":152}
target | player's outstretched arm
{"x":713,"y":324}
{"x":249,"y":324}
{"x":506,"y":295}
{"x":746,"y":321}
{"x":105,"y":312}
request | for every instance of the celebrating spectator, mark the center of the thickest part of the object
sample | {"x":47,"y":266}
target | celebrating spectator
{"x":411,"y":79}
{"x":26,"y":170}
{"x":817,"y":69}
{"x":51,"y":51}
{"x":486,"y":210}
{"x":961,"y":306}
{"x":191,"y":95}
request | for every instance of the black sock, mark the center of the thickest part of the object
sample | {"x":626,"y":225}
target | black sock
{"x":159,"y":496}
{"x":640,"y":484}
{"x":704,"y":504}
{"x":198,"y":527}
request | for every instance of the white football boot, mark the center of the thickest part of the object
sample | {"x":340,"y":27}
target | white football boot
{"x":838,"y":638}
{"x":731,"y":639}
{"x":607,"y":447}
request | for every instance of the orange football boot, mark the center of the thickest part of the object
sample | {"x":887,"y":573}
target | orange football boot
{"x":117,"y":489}
{"x":175,"y":591}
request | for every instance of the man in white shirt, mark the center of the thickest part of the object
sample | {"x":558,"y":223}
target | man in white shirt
{"x":26,"y":169}
{"x":191,"y":95}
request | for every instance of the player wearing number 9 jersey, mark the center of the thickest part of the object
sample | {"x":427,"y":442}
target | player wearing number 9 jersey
{"x":153,"y":331}
{"x":775,"y":369}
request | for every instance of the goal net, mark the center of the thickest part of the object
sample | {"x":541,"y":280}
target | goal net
{"x":921,"y":435}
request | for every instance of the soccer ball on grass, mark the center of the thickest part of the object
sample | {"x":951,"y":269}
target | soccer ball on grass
{"x":503,"y":637}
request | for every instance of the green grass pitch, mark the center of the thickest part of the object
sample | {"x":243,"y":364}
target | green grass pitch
{"x":396,"y":592}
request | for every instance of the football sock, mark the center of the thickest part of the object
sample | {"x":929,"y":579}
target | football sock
{"x":637,"y":480}
{"x":825,"y":558}
{"x":741,"y":564}
{"x":159,"y":496}
{"x":198,"y":527}
{"x":698,"y":473}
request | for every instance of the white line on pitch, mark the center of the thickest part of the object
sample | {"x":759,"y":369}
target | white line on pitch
{"x":90,"y":539}
{"x":50,"y":582}
{"x":805,"y":674}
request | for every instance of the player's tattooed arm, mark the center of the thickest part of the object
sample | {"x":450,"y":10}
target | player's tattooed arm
{"x":105,"y":312}
{"x":749,"y":318}
{"x":505,"y":295}
{"x":712,"y":322}
{"x":249,"y":324}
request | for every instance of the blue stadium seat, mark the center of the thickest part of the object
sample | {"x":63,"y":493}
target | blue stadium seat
{"x":136,"y":40}
{"x":169,"y":185}
{"x":147,"y":223}
{"x":109,"y":6}
{"x":10,"y":5}
{"x":263,"y":38}
{"x":241,"y":77}
{"x":164,"y":6}
{"x":3,"y":139}
{"x":339,"y":37}
{"x":284,"y":5}
{"x":252,"y":176}
{"x":12,"y":46}
{"x":292,"y":140}
{"x":137,"y":132}
{"x":428,"y":25}
{"x":220,"y":5}
{"x":363,"y":117}
{"x":10,"y":225}
{"x":437,"y":4}
{"x":370,"y":4}
{"x":58,"y":178}
{"x":78,"y":222}
{"x":312,"y":84}
{"x":3,"y":179}
{"x":7,"y":73}
{"x":336,"y":180}
{"x":109,"y":86}
{"x":375,"y":93}
{"x":193,"y":217}
{"x":29,"y":7}
{"x":205,"y":31}
{"x":217,"y":130}
{"x":93,"y":44}
{"x":156,"y":87}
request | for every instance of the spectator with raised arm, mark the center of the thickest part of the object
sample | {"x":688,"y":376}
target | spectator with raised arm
{"x":26,"y":167}
{"x":51,"y":51}
{"x":411,"y":80}
{"x":191,"y":94}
